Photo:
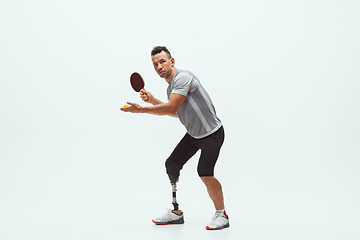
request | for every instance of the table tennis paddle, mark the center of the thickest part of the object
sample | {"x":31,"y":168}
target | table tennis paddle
{"x":137,"y":82}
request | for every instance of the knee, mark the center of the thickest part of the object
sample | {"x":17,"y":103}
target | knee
{"x":211,"y":182}
{"x":207,"y":180}
{"x":172,"y":168}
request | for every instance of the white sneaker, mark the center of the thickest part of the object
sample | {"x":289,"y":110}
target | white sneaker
{"x":219,"y":221}
{"x":170,"y":217}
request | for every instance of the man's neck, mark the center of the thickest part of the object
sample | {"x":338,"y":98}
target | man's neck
{"x":168,"y":80}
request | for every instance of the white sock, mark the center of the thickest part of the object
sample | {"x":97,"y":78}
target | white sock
{"x":221,"y":211}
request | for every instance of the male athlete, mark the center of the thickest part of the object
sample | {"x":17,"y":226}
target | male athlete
{"x":188,"y":101}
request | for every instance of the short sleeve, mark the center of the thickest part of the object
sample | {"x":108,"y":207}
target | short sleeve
{"x":182,"y":83}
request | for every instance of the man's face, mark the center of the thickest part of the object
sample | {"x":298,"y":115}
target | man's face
{"x":163,"y":64}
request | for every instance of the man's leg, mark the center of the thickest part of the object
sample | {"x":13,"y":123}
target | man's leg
{"x":210,"y":148}
{"x":220,"y":220}
{"x":215,"y":191}
{"x":181,"y":154}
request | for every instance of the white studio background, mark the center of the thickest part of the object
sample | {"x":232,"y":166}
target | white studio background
{"x":284,"y":78}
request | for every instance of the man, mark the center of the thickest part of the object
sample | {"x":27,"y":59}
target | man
{"x":189,"y":101}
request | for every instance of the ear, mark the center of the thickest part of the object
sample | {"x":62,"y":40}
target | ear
{"x":172,"y":62}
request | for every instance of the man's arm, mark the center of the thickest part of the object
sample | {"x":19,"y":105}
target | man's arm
{"x":169,"y":108}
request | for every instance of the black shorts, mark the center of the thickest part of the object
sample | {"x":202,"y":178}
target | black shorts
{"x":188,"y":146}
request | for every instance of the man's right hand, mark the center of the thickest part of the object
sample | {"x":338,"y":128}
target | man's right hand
{"x":146,"y":96}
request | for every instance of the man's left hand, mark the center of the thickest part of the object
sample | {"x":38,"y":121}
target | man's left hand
{"x":133,"y":108}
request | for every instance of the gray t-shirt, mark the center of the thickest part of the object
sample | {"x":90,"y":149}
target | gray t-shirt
{"x":196,"y":113}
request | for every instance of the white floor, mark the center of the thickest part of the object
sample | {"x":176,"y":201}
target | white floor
{"x":98,"y":198}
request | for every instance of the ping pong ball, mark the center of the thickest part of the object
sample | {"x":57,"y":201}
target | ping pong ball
{"x":126,"y":106}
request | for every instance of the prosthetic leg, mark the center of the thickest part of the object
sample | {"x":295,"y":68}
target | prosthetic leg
{"x":175,"y":216}
{"x":176,"y":205}
{"x":173,"y":181}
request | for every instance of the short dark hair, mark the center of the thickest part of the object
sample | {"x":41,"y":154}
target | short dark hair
{"x":159,"y":49}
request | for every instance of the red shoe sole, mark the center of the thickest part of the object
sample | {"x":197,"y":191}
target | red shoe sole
{"x":209,"y":228}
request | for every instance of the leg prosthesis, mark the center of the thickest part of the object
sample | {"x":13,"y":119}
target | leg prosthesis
{"x":173,"y":181}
